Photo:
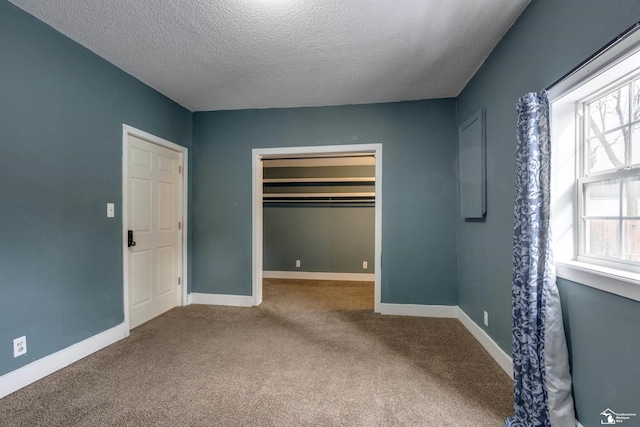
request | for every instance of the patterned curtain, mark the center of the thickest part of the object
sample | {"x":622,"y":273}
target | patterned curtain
{"x":542,"y":381}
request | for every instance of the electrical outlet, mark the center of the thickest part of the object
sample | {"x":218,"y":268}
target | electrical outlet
{"x":297,"y":263}
{"x":20,"y":346}
{"x":365,"y":265}
{"x":486,"y":319}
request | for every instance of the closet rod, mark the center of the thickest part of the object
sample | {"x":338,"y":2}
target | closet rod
{"x":328,"y":201}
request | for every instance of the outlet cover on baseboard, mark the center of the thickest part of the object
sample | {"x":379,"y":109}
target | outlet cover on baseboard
{"x":486,"y":319}
{"x":365,"y":265}
{"x":297,"y":263}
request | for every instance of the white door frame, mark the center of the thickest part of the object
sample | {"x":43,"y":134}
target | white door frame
{"x":257,"y":216}
{"x":184,"y":162}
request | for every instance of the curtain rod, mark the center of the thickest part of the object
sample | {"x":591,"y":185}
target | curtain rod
{"x":632,"y":29}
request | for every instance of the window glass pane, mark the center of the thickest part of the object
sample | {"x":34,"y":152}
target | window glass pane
{"x":602,"y":198}
{"x":602,"y":237}
{"x":635,"y":106}
{"x":635,"y":144}
{"x":609,"y":112}
{"x":631,"y":230}
{"x":605,"y":152}
{"x":631,"y":196}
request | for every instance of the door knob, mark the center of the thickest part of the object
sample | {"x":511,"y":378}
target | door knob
{"x":130,"y":242}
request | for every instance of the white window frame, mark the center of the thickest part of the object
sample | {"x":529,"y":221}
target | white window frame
{"x":585,"y":178}
{"x":610,"y":66}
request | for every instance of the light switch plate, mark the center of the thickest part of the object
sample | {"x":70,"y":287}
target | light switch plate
{"x":111,"y":210}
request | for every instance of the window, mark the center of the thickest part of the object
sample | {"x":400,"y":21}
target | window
{"x":609,"y":174}
{"x":595,"y":167}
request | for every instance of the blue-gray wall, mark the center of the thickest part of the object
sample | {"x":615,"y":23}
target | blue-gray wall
{"x":418,"y":178}
{"x":61,"y":115}
{"x":333,"y":239}
{"x":549,"y":39}
{"x":602,"y":332}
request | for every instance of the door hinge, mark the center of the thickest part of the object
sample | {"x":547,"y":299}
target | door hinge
{"x":179,"y":169}
{"x":179,"y":225}
{"x":179,"y":281}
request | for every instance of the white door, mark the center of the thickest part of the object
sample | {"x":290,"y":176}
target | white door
{"x":153,"y":214}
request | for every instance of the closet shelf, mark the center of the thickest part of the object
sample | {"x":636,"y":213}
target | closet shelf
{"x":330,"y":190}
{"x":317,"y":180}
{"x":317,"y":195}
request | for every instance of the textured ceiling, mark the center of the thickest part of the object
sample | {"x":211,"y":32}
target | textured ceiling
{"x":235,"y":54}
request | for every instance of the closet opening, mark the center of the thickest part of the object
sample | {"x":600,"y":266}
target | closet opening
{"x":317,"y":215}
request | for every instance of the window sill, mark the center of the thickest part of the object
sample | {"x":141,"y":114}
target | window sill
{"x":619,"y":282}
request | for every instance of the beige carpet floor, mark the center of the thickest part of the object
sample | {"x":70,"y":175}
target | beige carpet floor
{"x":313,"y":354}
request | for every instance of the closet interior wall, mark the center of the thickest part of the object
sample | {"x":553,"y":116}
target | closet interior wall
{"x":319,"y":215}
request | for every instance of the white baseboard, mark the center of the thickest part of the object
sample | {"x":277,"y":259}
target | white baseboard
{"x":22,"y":377}
{"x":578,"y":424}
{"x":418,"y":310}
{"x":314,"y":275}
{"x":502,"y":358}
{"x":220,"y":299}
